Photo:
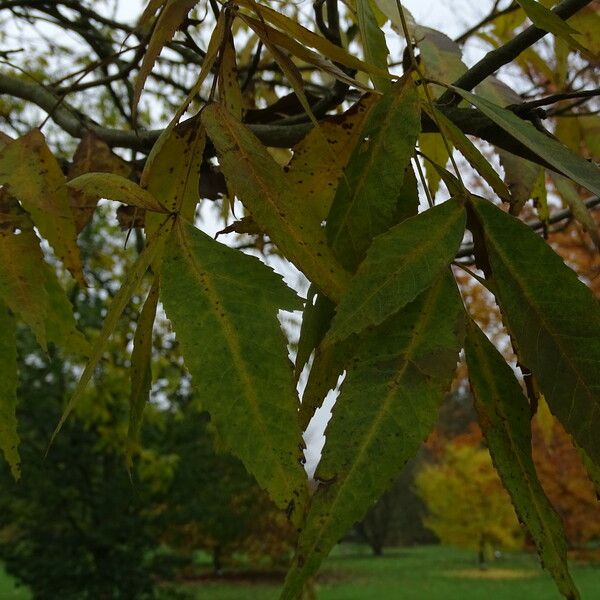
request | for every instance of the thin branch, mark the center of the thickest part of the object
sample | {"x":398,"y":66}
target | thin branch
{"x":505,"y":54}
{"x":491,"y":16}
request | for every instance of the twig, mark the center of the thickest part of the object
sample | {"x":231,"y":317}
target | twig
{"x":505,"y":54}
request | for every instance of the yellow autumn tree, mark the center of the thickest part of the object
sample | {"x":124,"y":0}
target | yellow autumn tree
{"x":467,"y":505}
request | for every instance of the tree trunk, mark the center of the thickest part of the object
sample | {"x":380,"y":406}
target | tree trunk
{"x":216,"y":560}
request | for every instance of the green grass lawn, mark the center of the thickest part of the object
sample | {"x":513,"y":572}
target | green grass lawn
{"x":421,"y":573}
{"x":8,"y":589}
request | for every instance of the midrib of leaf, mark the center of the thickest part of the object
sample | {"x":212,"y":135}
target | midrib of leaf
{"x":531,"y":302}
{"x":356,"y":192}
{"x":230,"y":335}
{"x":414,"y":254}
{"x":291,"y":230}
{"x":420,"y":328}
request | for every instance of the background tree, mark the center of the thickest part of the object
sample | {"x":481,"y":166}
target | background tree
{"x":467,"y":505}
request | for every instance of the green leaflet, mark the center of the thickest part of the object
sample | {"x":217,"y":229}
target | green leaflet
{"x":553,"y":318}
{"x":30,"y":287}
{"x":141,"y":367}
{"x":387,"y":406}
{"x":172,"y":170}
{"x":223,"y":305}
{"x":34,"y":177}
{"x":329,"y":361}
{"x":504,"y":416}
{"x":366,"y":199}
{"x":9,"y":439}
{"x":116,"y":187}
{"x":316,"y":317}
{"x":259,"y":183}
{"x":399,"y":265}
{"x":315,"y":180}
{"x":553,"y":152}
{"x":115,"y":310}
{"x":373,"y":39}
{"x":328,"y":364}
{"x":172,"y":14}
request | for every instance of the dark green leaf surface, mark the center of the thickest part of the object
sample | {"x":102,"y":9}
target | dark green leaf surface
{"x":504,"y":417}
{"x":388,"y":405}
{"x":9,"y":439}
{"x":223,"y":306}
{"x":565,"y":161}
{"x":400,"y":264}
{"x":366,"y":200}
{"x":316,"y":318}
{"x":553,"y":318}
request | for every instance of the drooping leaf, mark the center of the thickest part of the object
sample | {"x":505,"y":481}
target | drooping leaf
{"x":305,"y":36}
{"x":553,"y":318}
{"x":388,"y":405}
{"x":373,"y":40}
{"x":212,"y":52}
{"x":115,"y":310}
{"x":93,"y":155}
{"x":328,"y":364}
{"x":400,"y":264}
{"x":9,"y":438}
{"x":223,"y":305}
{"x":259,"y":182}
{"x":29,"y":286}
{"x":34,"y":177}
{"x":170,"y":18}
{"x":316,"y":318}
{"x":546,"y":147}
{"x":504,"y":416}
{"x":367,"y":196}
{"x":315,"y":180}
{"x":274,"y":37}
{"x":141,"y":367}
{"x":230,"y":91}
{"x":116,"y":187}
{"x":289,"y":69}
